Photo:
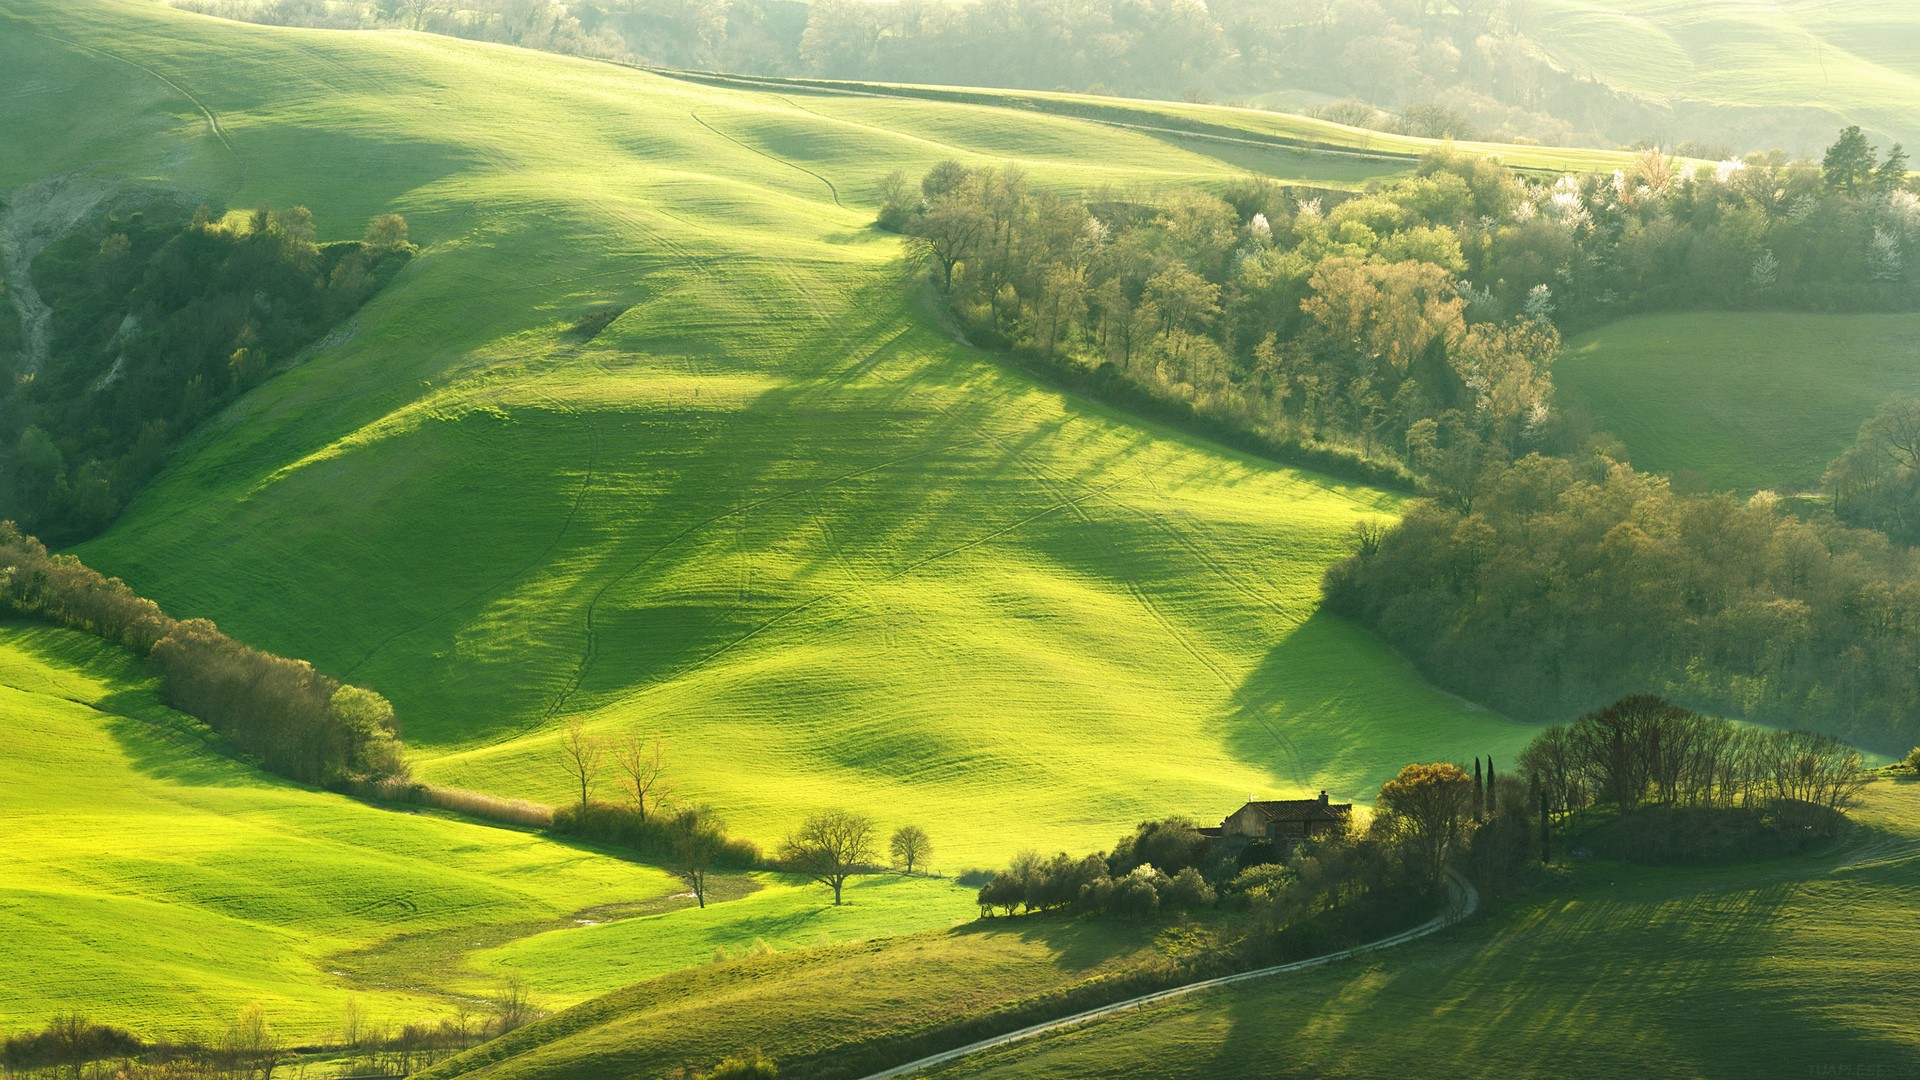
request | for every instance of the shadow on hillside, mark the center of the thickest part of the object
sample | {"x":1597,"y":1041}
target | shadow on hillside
{"x":1075,"y":944}
{"x":1331,"y":706}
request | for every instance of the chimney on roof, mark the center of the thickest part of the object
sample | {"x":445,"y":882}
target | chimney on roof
{"x":1323,"y":798}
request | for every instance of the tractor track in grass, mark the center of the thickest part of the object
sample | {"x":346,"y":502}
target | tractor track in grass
{"x":493,"y":588}
{"x":212,"y":118}
{"x":591,"y":651}
{"x":1462,"y":901}
{"x":690,"y":668}
{"x":834,"y":191}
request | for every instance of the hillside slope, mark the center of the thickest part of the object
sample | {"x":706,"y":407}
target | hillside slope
{"x":149,"y":882}
{"x":1783,"y":74}
{"x":773,"y":511}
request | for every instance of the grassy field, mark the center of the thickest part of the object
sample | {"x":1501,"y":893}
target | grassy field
{"x":1786,"y":73}
{"x":1788,"y":968}
{"x":154,"y":883}
{"x":1740,"y":401}
{"x":773,"y":512}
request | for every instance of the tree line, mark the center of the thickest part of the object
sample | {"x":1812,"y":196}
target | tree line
{"x":1547,"y":586}
{"x":829,"y":846}
{"x":1645,"y":751}
{"x":281,"y":713}
{"x":159,"y":322}
{"x":1409,"y":328}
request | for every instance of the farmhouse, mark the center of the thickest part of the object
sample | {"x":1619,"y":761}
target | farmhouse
{"x":1285,"y":822}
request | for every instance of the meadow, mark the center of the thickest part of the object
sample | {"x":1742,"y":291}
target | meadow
{"x":1739,"y":401}
{"x":153,"y":882}
{"x":773,"y":511}
{"x":1618,"y":970}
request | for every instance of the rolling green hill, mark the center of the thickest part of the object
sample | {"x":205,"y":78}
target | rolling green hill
{"x":151,"y":882}
{"x":1787,"y":73}
{"x":1774,"y":969}
{"x":1740,"y":401}
{"x":773,"y":511}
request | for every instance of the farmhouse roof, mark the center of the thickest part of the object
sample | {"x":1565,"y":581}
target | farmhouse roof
{"x":1303,"y":809}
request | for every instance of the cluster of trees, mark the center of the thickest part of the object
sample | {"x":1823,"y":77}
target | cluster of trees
{"x":1547,"y":587}
{"x":1875,"y":483}
{"x":1158,"y":867}
{"x":690,"y":837}
{"x":1425,"y":820}
{"x":1685,"y":788}
{"x":1411,"y":326}
{"x":831,"y":846}
{"x":158,"y":324}
{"x":1646,"y":751}
{"x":1464,"y":70}
{"x":281,"y":713}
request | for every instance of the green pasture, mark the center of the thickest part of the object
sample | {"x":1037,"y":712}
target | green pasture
{"x":1740,"y":400}
{"x":149,"y":881}
{"x":1783,"y":968}
{"x":774,"y":512}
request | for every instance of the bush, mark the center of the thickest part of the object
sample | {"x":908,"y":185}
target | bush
{"x":621,"y":826}
{"x":747,"y":1065}
{"x":1138,"y":894}
{"x":1913,"y":761}
{"x":1188,"y":891}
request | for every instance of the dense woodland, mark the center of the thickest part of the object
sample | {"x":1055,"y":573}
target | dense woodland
{"x":159,"y":322}
{"x":281,"y":713}
{"x":1548,"y":585}
{"x":1412,"y":326}
{"x":1466,"y":69}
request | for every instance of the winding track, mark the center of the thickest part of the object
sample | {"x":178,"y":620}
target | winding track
{"x":1463,"y":901}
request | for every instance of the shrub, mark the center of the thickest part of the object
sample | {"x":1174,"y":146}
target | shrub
{"x":747,"y":1065}
{"x":1188,"y":891}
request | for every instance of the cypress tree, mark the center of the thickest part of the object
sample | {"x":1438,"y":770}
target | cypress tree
{"x":1491,"y":808}
{"x":1546,"y":830}
{"x":1479,"y":793}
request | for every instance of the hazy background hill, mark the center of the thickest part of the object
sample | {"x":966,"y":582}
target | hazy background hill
{"x":1701,"y":75}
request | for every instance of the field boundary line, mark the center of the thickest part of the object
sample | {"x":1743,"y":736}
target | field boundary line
{"x":1463,"y":901}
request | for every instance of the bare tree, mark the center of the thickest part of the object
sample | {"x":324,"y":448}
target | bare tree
{"x":582,"y":755}
{"x":910,"y":846}
{"x":830,"y":847}
{"x":643,"y":762}
{"x":698,"y":839}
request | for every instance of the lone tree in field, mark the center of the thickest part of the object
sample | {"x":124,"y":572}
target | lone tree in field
{"x":830,"y":847}
{"x":643,"y":762}
{"x":581,"y":753}
{"x":910,"y":846}
{"x":1427,"y":808}
{"x":697,"y":838}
